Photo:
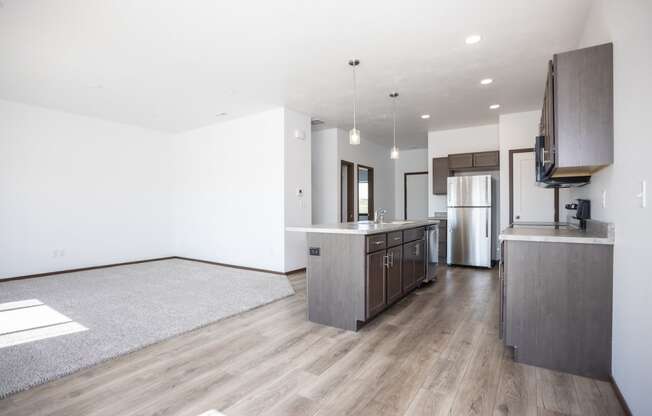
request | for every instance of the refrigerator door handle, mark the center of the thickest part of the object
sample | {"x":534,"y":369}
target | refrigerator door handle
{"x":486,"y":225}
{"x":486,"y":189}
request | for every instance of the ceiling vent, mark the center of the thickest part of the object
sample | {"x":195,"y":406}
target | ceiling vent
{"x":316,"y":122}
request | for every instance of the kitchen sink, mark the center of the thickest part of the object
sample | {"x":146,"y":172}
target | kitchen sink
{"x":368,"y":222}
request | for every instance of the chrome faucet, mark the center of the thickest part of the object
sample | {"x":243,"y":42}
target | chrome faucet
{"x":379,"y":216}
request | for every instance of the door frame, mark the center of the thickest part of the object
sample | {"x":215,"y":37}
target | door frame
{"x":370,"y":185}
{"x":511,"y":185}
{"x":350,"y":183}
{"x":405,"y":175}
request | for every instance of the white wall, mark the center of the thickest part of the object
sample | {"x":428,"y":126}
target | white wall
{"x":102,"y":192}
{"x":228,"y":192}
{"x":235,"y":191}
{"x":297,"y":172}
{"x":414,"y":160}
{"x":373,"y":155}
{"x":444,"y":142}
{"x":97,"y":190}
{"x":325,"y":177}
{"x":627,"y":24}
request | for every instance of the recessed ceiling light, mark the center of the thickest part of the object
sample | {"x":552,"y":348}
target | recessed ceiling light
{"x":494,"y":106}
{"x":425,"y":116}
{"x":470,"y":40}
{"x":486,"y":81}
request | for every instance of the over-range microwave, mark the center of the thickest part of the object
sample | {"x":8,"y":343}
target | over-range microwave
{"x":545,"y":167}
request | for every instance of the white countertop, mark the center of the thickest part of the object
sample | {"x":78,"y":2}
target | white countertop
{"x":596,"y":233}
{"x":363,"y":227}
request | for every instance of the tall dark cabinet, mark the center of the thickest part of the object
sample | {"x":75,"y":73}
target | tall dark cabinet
{"x":439,"y":175}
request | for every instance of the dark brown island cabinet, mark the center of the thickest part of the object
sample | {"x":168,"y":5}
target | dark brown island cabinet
{"x":351,"y":278}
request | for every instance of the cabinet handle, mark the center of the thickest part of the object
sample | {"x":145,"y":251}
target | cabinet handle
{"x":397,"y":238}
{"x":386,"y":261}
{"x":416,"y":249}
{"x":391,"y":259}
{"x":379,"y":242}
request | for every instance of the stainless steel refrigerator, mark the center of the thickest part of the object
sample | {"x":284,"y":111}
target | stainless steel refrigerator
{"x":469,"y":220}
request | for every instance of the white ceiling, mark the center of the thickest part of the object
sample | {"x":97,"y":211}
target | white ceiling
{"x":174,"y":65}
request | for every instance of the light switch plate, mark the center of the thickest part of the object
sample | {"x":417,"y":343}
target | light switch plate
{"x":604,"y":198}
{"x":643,"y":194}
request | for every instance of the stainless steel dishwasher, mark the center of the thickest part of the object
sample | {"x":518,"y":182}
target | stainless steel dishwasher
{"x":432,"y":252}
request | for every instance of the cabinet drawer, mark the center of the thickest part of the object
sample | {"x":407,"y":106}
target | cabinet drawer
{"x":395,"y":238}
{"x":413,"y":234}
{"x":376,"y":242}
{"x":486,"y":159}
{"x":460,"y":161}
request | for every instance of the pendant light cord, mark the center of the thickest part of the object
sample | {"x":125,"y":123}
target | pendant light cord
{"x":394,"y":117}
{"x":355,"y":95}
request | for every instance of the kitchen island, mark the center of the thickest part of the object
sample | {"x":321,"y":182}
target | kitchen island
{"x":356,"y":270}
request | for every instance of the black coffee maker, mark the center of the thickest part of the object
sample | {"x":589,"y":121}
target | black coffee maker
{"x":583,"y":208}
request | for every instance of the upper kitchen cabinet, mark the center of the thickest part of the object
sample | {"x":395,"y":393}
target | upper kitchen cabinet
{"x":460,"y":161}
{"x":577,"y":117}
{"x":439,"y":175}
{"x":486,"y":159}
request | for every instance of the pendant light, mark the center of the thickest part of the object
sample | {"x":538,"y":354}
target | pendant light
{"x":394,"y":153}
{"x":354,"y":133}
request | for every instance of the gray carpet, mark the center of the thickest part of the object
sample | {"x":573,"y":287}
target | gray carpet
{"x":126,"y":308}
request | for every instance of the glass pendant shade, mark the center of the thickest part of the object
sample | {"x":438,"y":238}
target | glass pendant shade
{"x":354,"y":133}
{"x":394,"y":153}
{"x":354,"y":136}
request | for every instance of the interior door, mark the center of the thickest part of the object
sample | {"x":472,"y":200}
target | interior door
{"x":346,"y":191}
{"x":416,"y":195}
{"x":531,"y":203}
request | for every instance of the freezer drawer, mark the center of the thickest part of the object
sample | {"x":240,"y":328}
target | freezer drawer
{"x":469,"y":236}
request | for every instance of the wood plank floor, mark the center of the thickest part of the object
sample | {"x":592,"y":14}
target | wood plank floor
{"x":436,"y":352}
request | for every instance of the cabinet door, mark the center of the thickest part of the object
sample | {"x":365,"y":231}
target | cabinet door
{"x":439,"y":175}
{"x":409,"y":266}
{"x":501,"y":279}
{"x":486,"y":159}
{"x":419,"y":262}
{"x":394,"y":281}
{"x":376,"y":287}
{"x":548,"y":117}
{"x":460,"y":161}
